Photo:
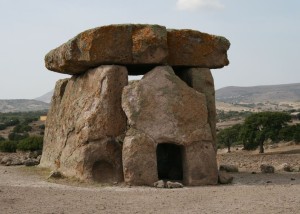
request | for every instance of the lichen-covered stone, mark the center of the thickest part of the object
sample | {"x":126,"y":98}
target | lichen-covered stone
{"x":112,"y":44}
{"x":196,"y":49}
{"x":136,"y":44}
{"x":85,"y":118}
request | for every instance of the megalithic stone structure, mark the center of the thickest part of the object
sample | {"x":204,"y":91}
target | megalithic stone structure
{"x":104,"y":129}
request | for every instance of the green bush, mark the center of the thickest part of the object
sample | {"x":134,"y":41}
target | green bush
{"x":16,"y":137}
{"x":8,"y":146}
{"x":2,"y":138}
{"x":22,"y":128}
{"x":31,"y":143}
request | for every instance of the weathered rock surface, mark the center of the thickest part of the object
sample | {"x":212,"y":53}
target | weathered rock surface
{"x":202,"y":81}
{"x":139,"y":159}
{"x":138,"y":45}
{"x":165,"y":108}
{"x":196,"y":49}
{"x":83,"y":122}
{"x":162,"y":109}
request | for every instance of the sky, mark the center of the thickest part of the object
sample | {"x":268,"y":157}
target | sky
{"x":264,"y":36}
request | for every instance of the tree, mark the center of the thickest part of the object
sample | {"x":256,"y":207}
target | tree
{"x":31,"y":143}
{"x":229,"y":136}
{"x":261,"y":126}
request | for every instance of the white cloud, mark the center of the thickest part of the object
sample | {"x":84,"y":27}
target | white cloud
{"x":198,"y":4}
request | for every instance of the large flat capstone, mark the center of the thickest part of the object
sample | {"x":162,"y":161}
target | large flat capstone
{"x":138,"y":45}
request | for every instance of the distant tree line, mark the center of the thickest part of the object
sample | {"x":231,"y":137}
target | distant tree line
{"x":19,"y":138}
{"x":259,"y":127}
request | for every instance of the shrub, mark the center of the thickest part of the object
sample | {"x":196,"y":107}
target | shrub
{"x":8,"y":146}
{"x":16,"y":137}
{"x":42,"y":127}
{"x":2,"y":138}
{"x":22,"y":128}
{"x":31,"y":143}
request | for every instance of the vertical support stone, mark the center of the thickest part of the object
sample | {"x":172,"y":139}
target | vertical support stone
{"x":202,"y":81}
{"x":139,"y":159}
{"x":199,"y":164}
{"x":85,"y":112}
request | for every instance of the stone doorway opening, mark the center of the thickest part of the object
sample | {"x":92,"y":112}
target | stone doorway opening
{"x":169,"y":161}
{"x":103,"y":172}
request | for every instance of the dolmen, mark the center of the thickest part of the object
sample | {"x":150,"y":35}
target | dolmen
{"x":102,"y":127}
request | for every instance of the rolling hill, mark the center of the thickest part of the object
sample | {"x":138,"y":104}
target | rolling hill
{"x":259,"y":94}
{"x":21,"y":105}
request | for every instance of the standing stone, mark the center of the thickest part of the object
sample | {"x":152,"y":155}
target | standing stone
{"x":164,"y":110}
{"x":139,"y":159}
{"x":200,"y":164}
{"x":86,"y":117}
{"x":202,"y":81}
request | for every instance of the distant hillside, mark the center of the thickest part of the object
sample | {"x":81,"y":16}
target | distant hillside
{"x":46,"y":97}
{"x":21,"y":105}
{"x":257,"y":94}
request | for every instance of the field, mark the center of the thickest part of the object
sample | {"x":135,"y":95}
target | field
{"x":27,"y":190}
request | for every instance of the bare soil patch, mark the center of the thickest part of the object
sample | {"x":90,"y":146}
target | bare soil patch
{"x":27,"y":190}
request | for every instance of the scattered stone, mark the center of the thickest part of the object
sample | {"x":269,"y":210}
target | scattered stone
{"x":253,"y":173}
{"x":224,"y":177}
{"x":11,"y":161}
{"x":292,"y":179}
{"x":285,"y":167}
{"x":34,"y":154}
{"x":159,"y":184}
{"x":268,"y":182}
{"x":266,"y":168}
{"x":55,"y":174}
{"x":229,"y":168}
{"x":172,"y":185}
{"x":31,"y":162}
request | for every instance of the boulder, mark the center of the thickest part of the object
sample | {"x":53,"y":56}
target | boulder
{"x":165,"y":108}
{"x":196,"y":49}
{"x":229,"y":168}
{"x":225,"y":178}
{"x":11,"y":161}
{"x":285,"y":167}
{"x":267,"y":168}
{"x":85,"y":118}
{"x":136,"y":44}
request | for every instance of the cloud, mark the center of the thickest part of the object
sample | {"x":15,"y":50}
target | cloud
{"x":198,"y":4}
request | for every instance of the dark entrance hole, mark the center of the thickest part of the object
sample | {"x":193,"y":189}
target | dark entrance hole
{"x":169,"y":161}
{"x":103,"y":172}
